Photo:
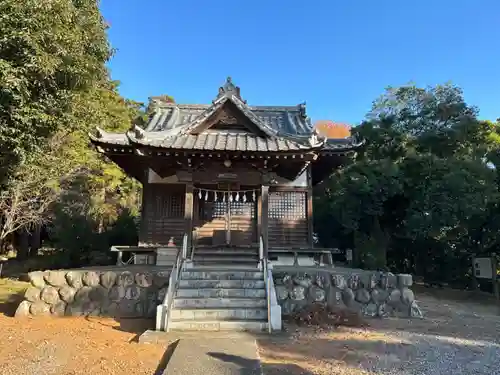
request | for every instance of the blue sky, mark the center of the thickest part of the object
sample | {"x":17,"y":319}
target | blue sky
{"x":336,"y":55}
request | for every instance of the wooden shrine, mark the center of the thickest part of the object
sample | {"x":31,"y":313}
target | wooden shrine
{"x":226,"y":173}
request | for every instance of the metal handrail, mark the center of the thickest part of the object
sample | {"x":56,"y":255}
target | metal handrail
{"x":177,"y":269}
{"x":265,"y":261}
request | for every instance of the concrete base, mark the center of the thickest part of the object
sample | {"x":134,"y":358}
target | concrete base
{"x":209,"y":356}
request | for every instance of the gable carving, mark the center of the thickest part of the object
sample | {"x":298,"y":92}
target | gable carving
{"x":229,"y":117}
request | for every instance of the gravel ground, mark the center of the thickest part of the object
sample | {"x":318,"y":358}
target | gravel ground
{"x":450,"y":340}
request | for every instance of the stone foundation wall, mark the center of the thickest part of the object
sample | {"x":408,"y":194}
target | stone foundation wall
{"x":372,"y":294}
{"x":113,"y":293}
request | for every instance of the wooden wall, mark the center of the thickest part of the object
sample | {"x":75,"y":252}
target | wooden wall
{"x":162,"y":214}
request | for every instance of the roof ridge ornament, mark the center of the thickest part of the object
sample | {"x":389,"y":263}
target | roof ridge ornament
{"x":302,"y":109}
{"x":230,"y":89}
{"x":139,"y":132}
{"x":316,"y":139}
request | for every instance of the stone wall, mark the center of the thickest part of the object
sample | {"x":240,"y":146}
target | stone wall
{"x":373,"y":294}
{"x":116,"y":292}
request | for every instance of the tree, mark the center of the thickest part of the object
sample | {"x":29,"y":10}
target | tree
{"x":50,"y":53}
{"x":419,"y":187}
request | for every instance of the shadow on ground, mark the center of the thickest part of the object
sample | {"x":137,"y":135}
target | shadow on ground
{"x":11,"y":295}
{"x":247,"y":364}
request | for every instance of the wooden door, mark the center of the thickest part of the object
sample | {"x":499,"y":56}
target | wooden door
{"x":228,"y":220}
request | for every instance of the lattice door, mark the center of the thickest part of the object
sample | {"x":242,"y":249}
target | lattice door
{"x":287,"y":218}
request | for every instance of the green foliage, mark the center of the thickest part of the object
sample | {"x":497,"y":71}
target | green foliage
{"x":54,"y":89}
{"x":420,"y":197}
{"x":50,"y":53}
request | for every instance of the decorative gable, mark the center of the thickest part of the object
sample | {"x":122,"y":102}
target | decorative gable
{"x":229,"y":118}
{"x":229,"y":112}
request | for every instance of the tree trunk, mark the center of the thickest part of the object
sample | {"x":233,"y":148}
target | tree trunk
{"x":35,"y":240}
{"x":23,"y":247}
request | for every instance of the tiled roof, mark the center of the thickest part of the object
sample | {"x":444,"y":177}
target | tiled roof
{"x":284,"y":128}
{"x":223,"y":141}
{"x":284,"y":120}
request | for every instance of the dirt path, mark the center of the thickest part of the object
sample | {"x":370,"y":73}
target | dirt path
{"x":75,"y":346}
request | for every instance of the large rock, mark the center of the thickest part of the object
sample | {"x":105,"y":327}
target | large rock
{"x":59,"y":309}
{"x":303,"y":280}
{"x":415,"y":311}
{"x":108,"y":279}
{"x":348,"y":296}
{"x":334,"y":297}
{"x":32,"y":294}
{"x":125,"y":279}
{"x":298,"y":293}
{"x":370,"y":310}
{"x":117,"y":293}
{"x":407,"y":296}
{"x":90,"y":278}
{"x":339,"y":281}
{"x":50,"y":295}
{"x":281,"y":292}
{"x":37,"y":279}
{"x":363,"y":296}
{"x":40,"y":308}
{"x":379,"y":295}
{"x":74,"y":279}
{"x":144,"y":279}
{"x":394,"y":298}
{"x":82,"y":295}
{"x":316,"y":294}
{"x":354,"y":282}
{"x":56,"y":278}
{"x":99,"y":294}
{"x":405,"y":280}
{"x":67,"y":294}
{"x":23,"y":309}
{"x":133,"y":292}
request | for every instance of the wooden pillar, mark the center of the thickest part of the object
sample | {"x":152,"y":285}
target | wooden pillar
{"x":309,"y":205}
{"x":264,"y":216}
{"x":259,"y":217}
{"x":188,"y":214}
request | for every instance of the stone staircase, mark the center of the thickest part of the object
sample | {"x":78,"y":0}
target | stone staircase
{"x":226,"y":256}
{"x":219,"y":299}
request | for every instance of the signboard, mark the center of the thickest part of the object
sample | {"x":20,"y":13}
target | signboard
{"x":483,"y":268}
{"x":348,"y":255}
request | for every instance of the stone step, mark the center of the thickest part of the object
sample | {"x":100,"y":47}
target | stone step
{"x":219,"y":314}
{"x":165,"y":262}
{"x":229,"y":259}
{"x":228,"y":262}
{"x":221,"y":293}
{"x":226,"y":252}
{"x":248,"y":325}
{"x":213,"y":274}
{"x":200,"y":303}
{"x":228,"y":284}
